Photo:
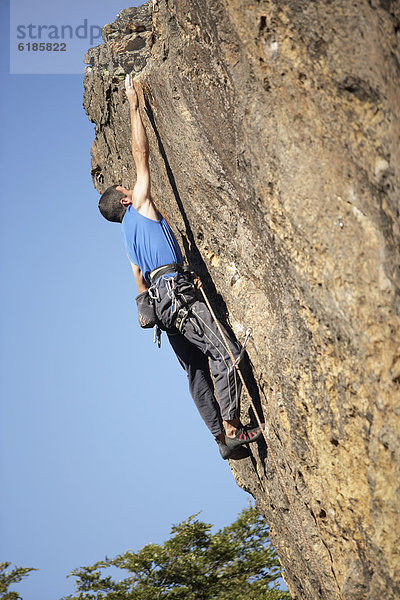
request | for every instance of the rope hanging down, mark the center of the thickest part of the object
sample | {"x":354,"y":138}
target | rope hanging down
{"x":272,"y":454}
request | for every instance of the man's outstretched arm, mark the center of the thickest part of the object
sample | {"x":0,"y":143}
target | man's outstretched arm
{"x":140,"y":151}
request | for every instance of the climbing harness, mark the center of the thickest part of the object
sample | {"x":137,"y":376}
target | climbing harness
{"x":179,"y":304}
{"x":167,"y":270}
{"x":271,"y":452}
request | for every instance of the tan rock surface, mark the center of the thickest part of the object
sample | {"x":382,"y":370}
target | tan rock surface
{"x":275,"y":152}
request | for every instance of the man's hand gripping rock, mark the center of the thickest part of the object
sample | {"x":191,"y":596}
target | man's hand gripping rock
{"x":131,"y":93}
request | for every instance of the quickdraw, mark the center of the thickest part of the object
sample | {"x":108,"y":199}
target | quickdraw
{"x":249,"y":333}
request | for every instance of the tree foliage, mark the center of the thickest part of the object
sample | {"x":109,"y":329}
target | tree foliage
{"x":8,"y":578}
{"x":193,"y":564}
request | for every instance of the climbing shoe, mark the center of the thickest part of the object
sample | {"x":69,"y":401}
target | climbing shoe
{"x":233,"y":454}
{"x":244,"y":435}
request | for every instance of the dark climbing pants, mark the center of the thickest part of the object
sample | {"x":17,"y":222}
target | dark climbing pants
{"x":199,"y":348}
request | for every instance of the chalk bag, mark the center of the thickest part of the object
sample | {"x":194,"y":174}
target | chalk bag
{"x":146,"y":310}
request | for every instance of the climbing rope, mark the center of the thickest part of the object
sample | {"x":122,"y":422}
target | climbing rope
{"x":272,"y":454}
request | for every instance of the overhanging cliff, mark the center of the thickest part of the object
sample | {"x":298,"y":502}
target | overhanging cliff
{"x":275,"y":153}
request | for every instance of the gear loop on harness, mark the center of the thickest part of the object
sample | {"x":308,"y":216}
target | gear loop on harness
{"x":154,"y":293}
{"x":180,"y":305}
{"x":181,"y":317}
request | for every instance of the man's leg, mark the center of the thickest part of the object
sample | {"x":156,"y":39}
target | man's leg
{"x":201,"y":330}
{"x":196,"y":366}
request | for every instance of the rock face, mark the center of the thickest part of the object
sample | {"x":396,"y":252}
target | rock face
{"x":275,"y":152}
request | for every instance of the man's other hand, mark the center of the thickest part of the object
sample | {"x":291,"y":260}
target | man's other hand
{"x":196,"y":280}
{"x":131,"y":92}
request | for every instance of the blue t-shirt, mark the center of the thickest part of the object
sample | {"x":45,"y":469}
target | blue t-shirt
{"x":149,"y":244}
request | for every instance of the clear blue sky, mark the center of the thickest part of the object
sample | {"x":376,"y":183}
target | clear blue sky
{"x":101,"y":446}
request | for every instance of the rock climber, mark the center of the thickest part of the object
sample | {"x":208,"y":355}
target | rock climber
{"x":171,"y":289}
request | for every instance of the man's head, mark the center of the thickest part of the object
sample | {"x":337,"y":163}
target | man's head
{"x":114,"y":202}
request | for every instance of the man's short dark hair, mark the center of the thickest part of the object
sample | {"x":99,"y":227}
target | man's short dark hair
{"x":110,"y":205}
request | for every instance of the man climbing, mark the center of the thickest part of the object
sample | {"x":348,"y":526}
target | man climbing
{"x":162,"y":279}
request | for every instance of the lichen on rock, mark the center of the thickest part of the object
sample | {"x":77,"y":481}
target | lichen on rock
{"x":275,"y":153}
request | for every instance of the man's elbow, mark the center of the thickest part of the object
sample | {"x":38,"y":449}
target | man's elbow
{"x":140,"y":151}
{"x":141,"y":283}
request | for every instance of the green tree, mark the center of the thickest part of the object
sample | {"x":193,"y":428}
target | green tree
{"x":8,"y":578}
{"x":236,"y":562}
